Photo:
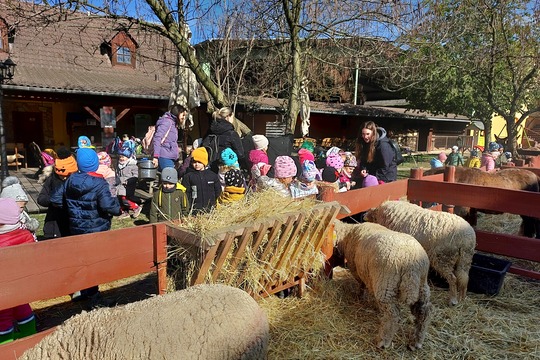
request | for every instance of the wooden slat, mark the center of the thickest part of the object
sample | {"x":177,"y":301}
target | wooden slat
{"x":160,"y":256}
{"x":299,"y":224}
{"x":480,"y":197}
{"x":221,"y":254}
{"x":283,"y":236}
{"x":509,"y":245}
{"x":272,"y":236}
{"x":49,"y":269}
{"x":320,"y":238}
{"x":15,"y":349}
{"x":301,"y":243}
{"x":360,"y":200}
{"x":241,"y":246}
{"x":200,"y":273}
{"x":261,"y":232}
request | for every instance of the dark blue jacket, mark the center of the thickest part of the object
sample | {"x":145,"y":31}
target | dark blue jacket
{"x":89,"y":203}
{"x":202,"y":189}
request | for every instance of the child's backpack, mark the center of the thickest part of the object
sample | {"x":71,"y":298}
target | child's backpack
{"x":148,"y":141}
{"x":398,"y":156}
{"x":114,"y":146}
{"x":211,"y":144}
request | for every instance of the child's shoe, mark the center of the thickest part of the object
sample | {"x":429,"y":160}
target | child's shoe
{"x":124,"y":215}
{"x":137,"y":211}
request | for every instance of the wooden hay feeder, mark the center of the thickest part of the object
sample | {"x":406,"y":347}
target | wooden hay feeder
{"x":263,"y":257}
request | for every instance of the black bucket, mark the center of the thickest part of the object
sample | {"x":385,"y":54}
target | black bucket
{"x":147,"y":171}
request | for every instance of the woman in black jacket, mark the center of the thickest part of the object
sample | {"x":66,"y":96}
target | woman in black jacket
{"x":376,"y":154}
{"x":222,"y":127}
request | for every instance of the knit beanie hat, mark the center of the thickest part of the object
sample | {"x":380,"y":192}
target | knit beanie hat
{"x":11,"y":188}
{"x":308,"y":145}
{"x":305,"y":154}
{"x":84,"y":142}
{"x":493,"y":146}
{"x":333,"y":150}
{"x":87,"y":160}
{"x":65,"y":167}
{"x":335,"y":161}
{"x":370,"y":180}
{"x":201,"y":155}
{"x":455,"y":148}
{"x":169,"y":175}
{"x":350,"y":161}
{"x":258,"y":156}
{"x":474,"y":152}
{"x":229,"y":157}
{"x":234,"y":177}
{"x":329,"y":174}
{"x":125,"y":151}
{"x":10,"y":211}
{"x":104,"y":158}
{"x":284,"y":167}
{"x":442,"y":157}
{"x":260,"y":142}
{"x":508,"y":154}
{"x":310,"y":171}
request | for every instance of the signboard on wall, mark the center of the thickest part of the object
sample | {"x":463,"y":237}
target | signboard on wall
{"x":107,"y":114}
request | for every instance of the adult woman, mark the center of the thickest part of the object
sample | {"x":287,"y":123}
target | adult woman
{"x":165,"y":140}
{"x":376,"y":154}
{"x":222,"y":126}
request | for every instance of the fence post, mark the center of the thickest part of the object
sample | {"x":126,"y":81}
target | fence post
{"x":160,"y":256}
{"x":416,"y":173}
{"x":449,"y":176}
{"x":327,"y":193}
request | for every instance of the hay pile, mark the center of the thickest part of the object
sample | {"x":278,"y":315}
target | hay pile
{"x":333,"y":321}
{"x":250,"y":268}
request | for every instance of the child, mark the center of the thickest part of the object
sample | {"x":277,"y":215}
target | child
{"x":474,"y":160}
{"x":11,"y":233}
{"x":128,"y":174}
{"x":330,"y":177}
{"x":438,"y":161}
{"x":11,"y":188}
{"x":334,"y":160}
{"x":284,"y":172}
{"x":202,"y":184}
{"x":170,"y":201}
{"x":56,"y":222}
{"x":346,"y":172}
{"x":509,"y":160}
{"x":487,"y":162}
{"x":454,"y":158}
{"x":259,"y":154}
{"x":258,"y":170}
{"x":108,"y":174}
{"x":234,"y":187}
{"x":229,"y":161}
{"x":305,"y":154}
{"x":306,"y":186}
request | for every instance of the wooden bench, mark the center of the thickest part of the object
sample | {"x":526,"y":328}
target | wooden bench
{"x":58,"y":267}
{"x":16,"y":154}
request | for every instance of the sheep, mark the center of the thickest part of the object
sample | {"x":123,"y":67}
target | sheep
{"x":394,"y":269}
{"x":448,"y":240}
{"x":201,"y":322}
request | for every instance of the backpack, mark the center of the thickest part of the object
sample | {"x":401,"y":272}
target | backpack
{"x":398,"y":157}
{"x":211,"y":144}
{"x":148,"y":141}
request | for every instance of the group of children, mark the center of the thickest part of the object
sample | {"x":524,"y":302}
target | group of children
{"x":493,"y":158}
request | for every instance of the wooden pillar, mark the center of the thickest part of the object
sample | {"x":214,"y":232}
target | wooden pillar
{"x":449,"y":176}
{"x":416,"y":173}
{"x":327,"y":193}
{"x":160,"y":256}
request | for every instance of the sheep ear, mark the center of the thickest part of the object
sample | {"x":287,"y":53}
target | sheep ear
{"x":344,"y":210}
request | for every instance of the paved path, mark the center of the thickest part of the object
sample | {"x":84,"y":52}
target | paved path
{"x":32,"y":188}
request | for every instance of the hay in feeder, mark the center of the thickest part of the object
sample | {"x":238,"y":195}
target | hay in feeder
{"x":334,"y":321}
{"x":249,"y":264}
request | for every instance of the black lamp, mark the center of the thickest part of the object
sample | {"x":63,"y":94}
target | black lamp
{"x":7,"y":70}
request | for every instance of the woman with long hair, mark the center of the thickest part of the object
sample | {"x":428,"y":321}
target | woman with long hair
{"x":375,"y":153}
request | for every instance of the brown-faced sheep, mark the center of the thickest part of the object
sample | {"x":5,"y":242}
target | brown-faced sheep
{"x":394,"y":268}
{"x":448,"y":239}
{"x":201,"y":322}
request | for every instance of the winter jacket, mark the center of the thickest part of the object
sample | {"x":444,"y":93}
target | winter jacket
{"x":473,"y":162}
{"x":454,"y":159}
{"x":167,"y":148}
{"x":110,"y":177}
{"x":88,"y":201}
{"x":384,"y":165}
{"x":300,"y":189}
{"x":15,"y":237}
{"x":264,"y":182}
{"x":169,"y":205}
{"x":436,"y":163}
{"x":487,"y":162}
{"x":227,"y":137}
{"x":202,"y":189}
{"x":126,"y":171}
{"x":231,"y":194}
{"x":56,"y":222}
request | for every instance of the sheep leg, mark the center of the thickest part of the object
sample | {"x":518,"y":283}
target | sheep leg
{"x":462,"y":277}
{"x":421,"y":311}
{"x":447,"y":273}
{"x":388,"y":325}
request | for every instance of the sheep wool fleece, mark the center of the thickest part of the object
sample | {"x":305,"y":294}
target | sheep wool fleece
{"x":210,"y":322}
{"x":448,"y":239}
{"x":394,"y":268}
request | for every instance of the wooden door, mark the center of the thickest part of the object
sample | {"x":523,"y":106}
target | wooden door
{"x":28,"y":127}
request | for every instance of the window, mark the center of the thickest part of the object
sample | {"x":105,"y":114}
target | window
{"x":123,"y":55}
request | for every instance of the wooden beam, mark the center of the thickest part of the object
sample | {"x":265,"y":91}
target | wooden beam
{"x":122,"y":114}
{"x":91,"y":112}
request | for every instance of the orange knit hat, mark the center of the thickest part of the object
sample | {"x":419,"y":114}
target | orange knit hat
{"x":201,"y":155}
{"x":65,"y":167}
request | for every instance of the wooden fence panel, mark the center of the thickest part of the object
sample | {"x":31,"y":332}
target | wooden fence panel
{"x":53,"y":268}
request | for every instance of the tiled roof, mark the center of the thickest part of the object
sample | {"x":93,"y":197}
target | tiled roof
{"x":65,"y":56}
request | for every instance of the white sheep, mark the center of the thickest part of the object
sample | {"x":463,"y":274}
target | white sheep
{"x":394,"y":269}
{"x":202,"y":322}
{"x":448,"y":239}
